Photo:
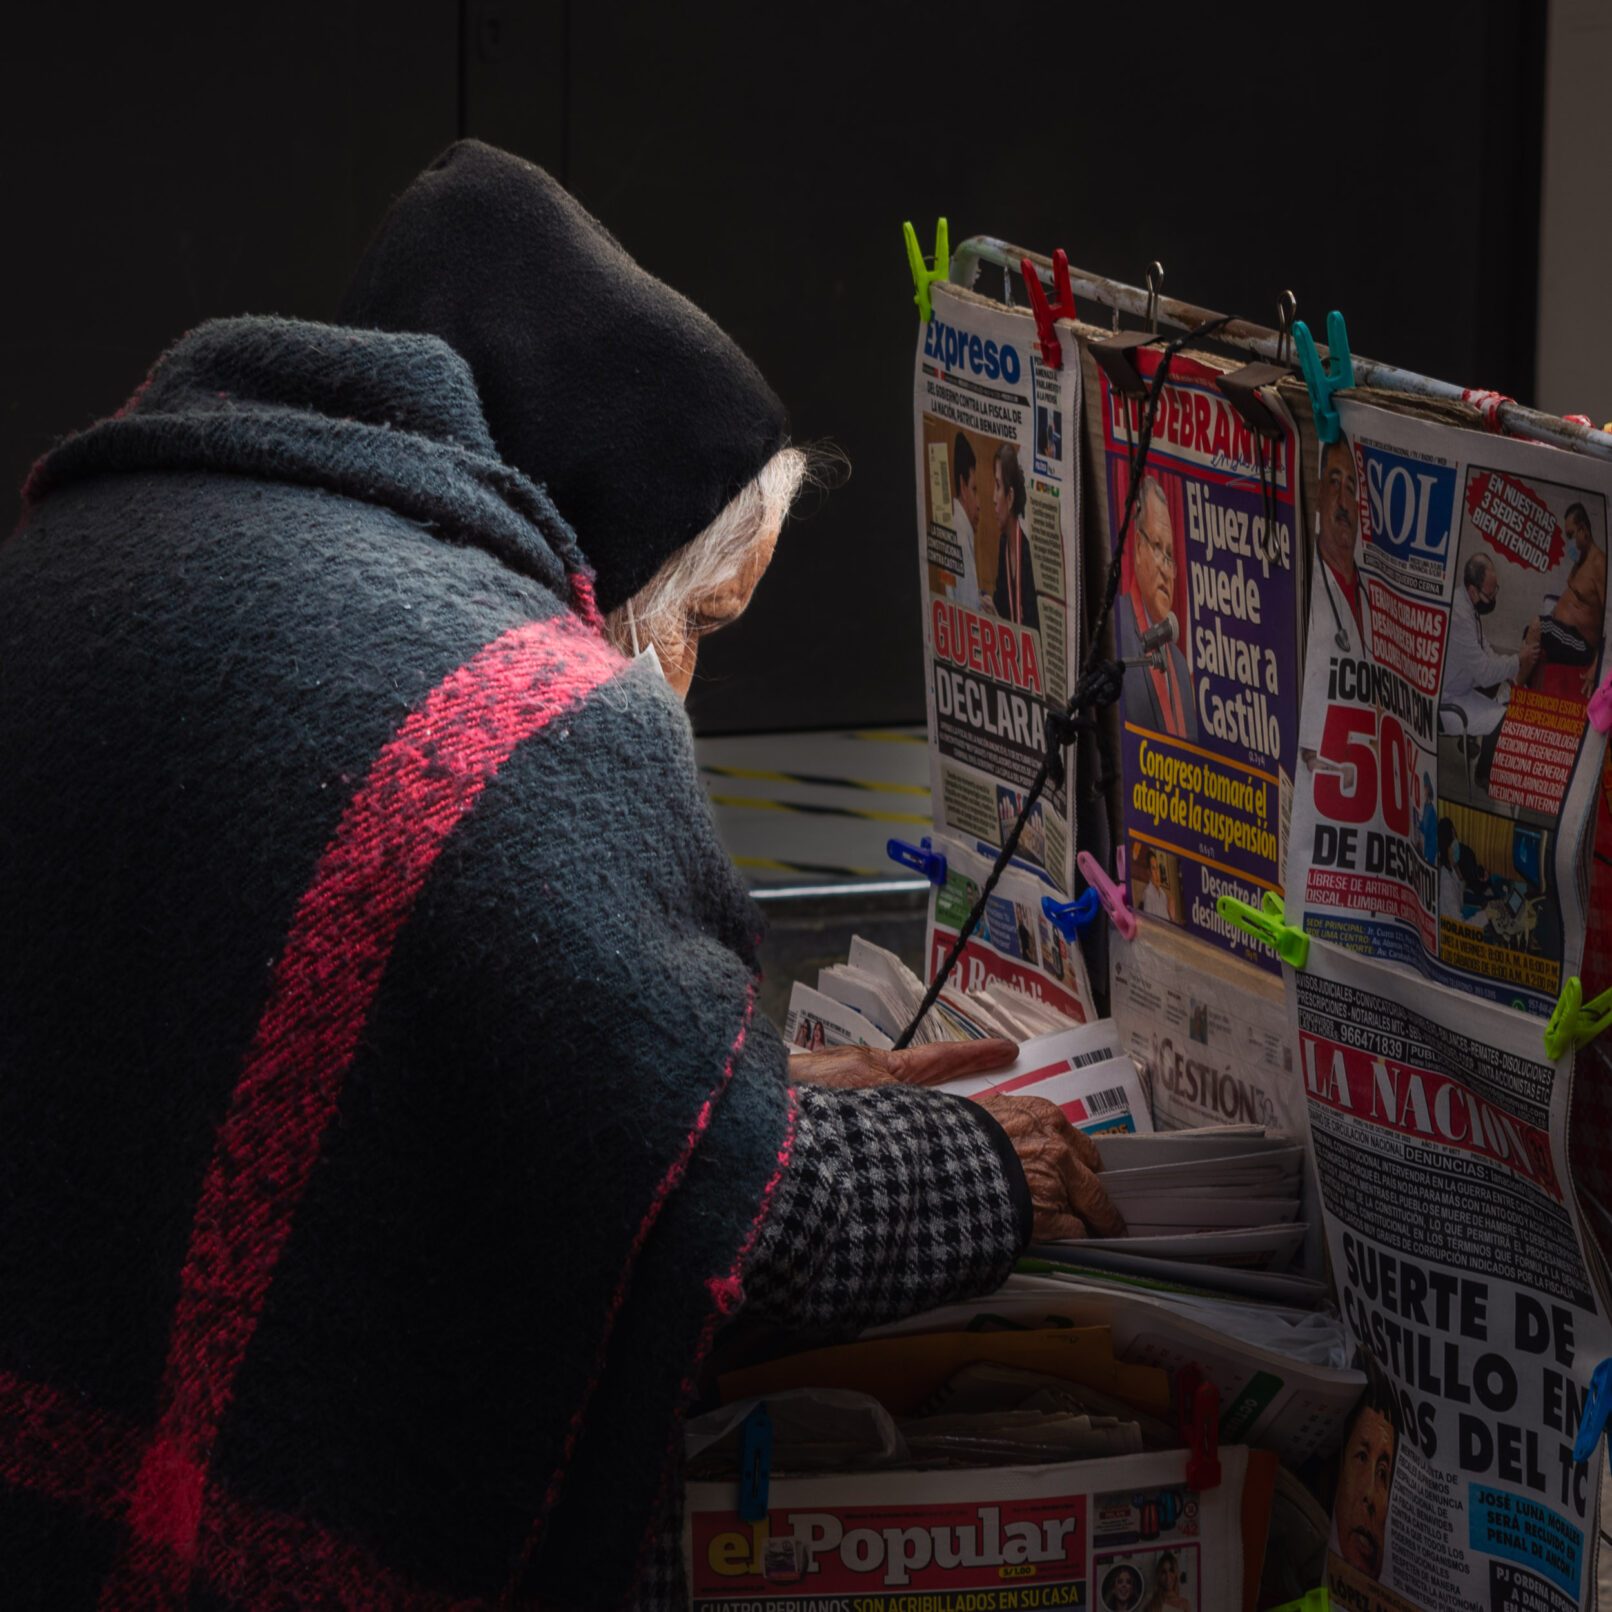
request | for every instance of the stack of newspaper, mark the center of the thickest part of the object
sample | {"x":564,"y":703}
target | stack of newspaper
{"x":869,"y":999}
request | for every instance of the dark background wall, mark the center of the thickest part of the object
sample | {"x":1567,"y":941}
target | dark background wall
{"x":168,"y":163}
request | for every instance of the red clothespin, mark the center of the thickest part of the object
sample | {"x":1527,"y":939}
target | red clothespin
{"x":1197,"y":1406}
{"x":1578,"y":419}
{"x":1601,"y":706}
{"x":1045,"y":316}
{"x":1110,"y":894}
{"x":1487,"y":404}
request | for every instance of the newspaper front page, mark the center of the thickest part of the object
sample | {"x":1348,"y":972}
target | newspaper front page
{"x":1210,"y":1034}
{"x":997,"y":439}
{"x":1456,"y":624}
{"x":1440,"y":1139}
{"x":1209,"y":735}
{"x":1015,"y":943}
{"x":1113,"y":1534}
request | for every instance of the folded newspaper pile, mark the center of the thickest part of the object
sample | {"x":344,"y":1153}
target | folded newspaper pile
{"x":869,"y":999}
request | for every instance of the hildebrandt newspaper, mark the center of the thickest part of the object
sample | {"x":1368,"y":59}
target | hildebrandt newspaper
{"x":1446,"y":770}
{"x":1209,"y":729}
{"x":1440,"y":1136}
{"x":997,"y":438}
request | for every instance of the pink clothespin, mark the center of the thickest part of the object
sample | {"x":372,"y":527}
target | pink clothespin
{"x":1046,"y":316}
{"x":1111,"y":895}
{"x":1601,"y":706}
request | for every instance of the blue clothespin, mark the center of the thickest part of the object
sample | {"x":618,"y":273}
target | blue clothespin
{"x":920,"y":858}
{"x":1573,"y":1022}
{"x":1071,"y":919}
{"x":1596,"y":1412}
{"x":755,"y":1464}
{"x":1267,"y":922}
{"x":1339,"y":373}
{"x":922,"y":276}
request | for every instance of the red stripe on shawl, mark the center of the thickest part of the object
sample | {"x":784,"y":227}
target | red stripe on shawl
{"x":423,"y":782}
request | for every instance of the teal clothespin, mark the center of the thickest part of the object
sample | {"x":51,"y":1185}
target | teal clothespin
{"x":1574,"y":1022}
{"x":755,"y":1464}
{"x":922,"y":277}
{"x":1339,"y":373}
{"x":1267,"y":922}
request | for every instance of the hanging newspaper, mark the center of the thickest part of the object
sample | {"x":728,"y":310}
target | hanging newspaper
{"x":997,"y":439}
{"x":1208,"y":586}
{"x":1457,"y":616}
{"x":1440,"y":1138}
{"x":1122,"y":1532}
{"x":1209,"y":1032}
{"x":1014,"y":944}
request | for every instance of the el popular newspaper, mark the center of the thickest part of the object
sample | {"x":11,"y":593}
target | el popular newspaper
{"x":1440,"y":1135}
{"x":997,"y":443}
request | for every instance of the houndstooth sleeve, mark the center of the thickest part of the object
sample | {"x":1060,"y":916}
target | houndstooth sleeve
{"x":895,"y":1200}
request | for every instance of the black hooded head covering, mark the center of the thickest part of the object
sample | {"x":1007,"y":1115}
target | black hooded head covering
{"x":641,"y":416}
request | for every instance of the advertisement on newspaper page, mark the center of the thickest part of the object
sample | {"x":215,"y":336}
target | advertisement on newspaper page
{"x":1209,"y":1032}
{"x":1446,"y":769}
{"x":997,"y":435}
{"x":1115,"y":1535}
{"x":1209,"y":732}
{"x":1440,"y":1138}
{"x":1014,"y":941}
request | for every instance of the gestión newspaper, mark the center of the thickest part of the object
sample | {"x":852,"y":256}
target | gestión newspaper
{"x":1440,"y":1140}
{"x":997,"y":440}
{"x":1446,"y":769}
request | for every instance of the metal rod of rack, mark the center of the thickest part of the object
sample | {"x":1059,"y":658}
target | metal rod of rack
{"x":1244,"y":336}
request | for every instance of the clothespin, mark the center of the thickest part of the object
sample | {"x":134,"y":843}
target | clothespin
{"x":1071,"y":919}
{"x":755,"y":1464}
{"x":1046,"y":316}
{"x":1487,"y":404}
{"x":1578,"y":419}
{"x":1197,"y":1409}
{"x":1268,"y":922}
{"x":1241,"y":389}
{"x":1112,"y":896}
{"x":1336,"y":377}
{"x":922,"y":277}
{"x":1599,"y":1407}
{"x":1574,"y":1022}
{"x":1601,"y":706}
{"x":920,"y":858}
{"x":1309,"y":1601}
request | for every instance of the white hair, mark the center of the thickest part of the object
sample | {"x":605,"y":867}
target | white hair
{"x":661,"y":612}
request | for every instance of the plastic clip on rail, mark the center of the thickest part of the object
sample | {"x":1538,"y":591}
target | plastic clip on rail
{"x":1336,"y":377}
{"x":1070,"y":919}
{"x":1573,"y":1022}
{"x":1110,"y":894}
{"x":920,"y":858}
{"x":1596,"y":1411}
{"x":1197,"y":1405}
{"x":1601,"y":706}
{"x":755,"y":1464}
{"x":1267,"y":922}
{"x":922,"y":276}
{"x":1047,"y":315}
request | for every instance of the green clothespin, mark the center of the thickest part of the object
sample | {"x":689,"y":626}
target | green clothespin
{"x":1573,"y":1022}
{"x":1267,"y":922}
{"x":923,"y":278}
{"x":1310,"y":1601}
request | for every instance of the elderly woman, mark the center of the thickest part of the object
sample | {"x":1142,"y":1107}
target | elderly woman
{"x":386,"y":1128}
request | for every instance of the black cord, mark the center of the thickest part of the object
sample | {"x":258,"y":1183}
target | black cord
{"x":1100,"y":682}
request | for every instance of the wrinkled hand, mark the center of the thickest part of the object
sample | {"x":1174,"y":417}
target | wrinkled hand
{"x":850,"y":1068}
{"x":1061,"y":1165}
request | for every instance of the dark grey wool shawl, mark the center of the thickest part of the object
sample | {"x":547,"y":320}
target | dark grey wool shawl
{"x":383,"y":1119}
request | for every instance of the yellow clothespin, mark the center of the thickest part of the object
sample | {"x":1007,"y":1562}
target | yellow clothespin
{"x":1267,"y":922}
{"x":1573,"y":1022}
{"x":923,"y":277}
